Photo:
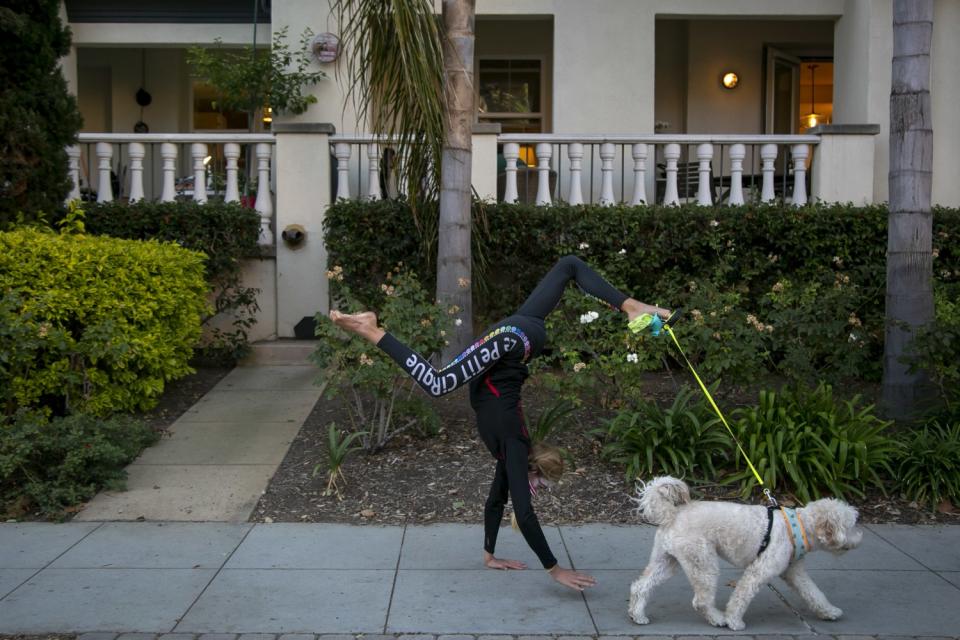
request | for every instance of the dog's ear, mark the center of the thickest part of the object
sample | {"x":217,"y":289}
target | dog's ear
{"x":827,"y":532}
{"x":675,"y":493}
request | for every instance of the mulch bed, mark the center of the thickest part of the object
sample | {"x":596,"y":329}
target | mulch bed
{"x":445,"y":478}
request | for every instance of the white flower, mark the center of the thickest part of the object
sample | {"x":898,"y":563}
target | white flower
{"x":589,"y":317}
{"x":714,"y":223}
{"x":458,"y":322}
{"x":584,"y":245}
{"x":632,"y":357}
{"x":853,"y":337}
{"x":622,"y":252}
{"x":580,"y":366}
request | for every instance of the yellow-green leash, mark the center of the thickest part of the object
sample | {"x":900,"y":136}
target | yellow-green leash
{"x":656,"y":324}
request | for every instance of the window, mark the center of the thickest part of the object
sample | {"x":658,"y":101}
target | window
{"x":206,"y":115}
{"x":509,"y":93}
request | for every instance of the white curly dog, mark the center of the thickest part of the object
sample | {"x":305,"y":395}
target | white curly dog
{"x":696,"y":534}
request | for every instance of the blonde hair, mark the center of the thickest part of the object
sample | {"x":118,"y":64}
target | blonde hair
{"x":546,"y":460}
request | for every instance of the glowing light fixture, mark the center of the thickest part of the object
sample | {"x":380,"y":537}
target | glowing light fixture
{"x":812,"y":119}
{"x":730,"y":80}
{"x":267,"y":115}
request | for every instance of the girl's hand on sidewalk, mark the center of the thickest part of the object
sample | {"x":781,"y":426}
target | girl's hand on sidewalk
{"x":496,"y":563}
{"x":572,"y":579}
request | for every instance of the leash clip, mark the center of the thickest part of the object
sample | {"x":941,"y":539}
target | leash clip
{"x":771,"y":501}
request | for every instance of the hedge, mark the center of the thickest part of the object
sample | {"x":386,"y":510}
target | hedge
{"x":94,"y":324}
{"x":819,"y":271}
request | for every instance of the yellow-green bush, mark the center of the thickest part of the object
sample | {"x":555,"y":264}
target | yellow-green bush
{"x":94,"y":324}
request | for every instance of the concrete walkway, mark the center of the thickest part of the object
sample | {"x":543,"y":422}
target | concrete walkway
{"x":197,"y":578}
{"x":220,"y":454}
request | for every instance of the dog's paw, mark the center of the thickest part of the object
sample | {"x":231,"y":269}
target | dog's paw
{"x":736,"y":625}
{"x":830,"y":613}
{"x":716,"y":619}
{"x":639,"y":618}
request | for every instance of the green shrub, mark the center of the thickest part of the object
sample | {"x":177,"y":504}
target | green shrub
{"x":226,"y":233}
{"x":59,"y":463}
{"x":683,"y":440}
{"x":928,"y":465}
{"x":94,"y":324}
{"x":382,"y":399}
{"x":936,"y":349}
{"x":735,"y":256}
{"x":806,"y":443}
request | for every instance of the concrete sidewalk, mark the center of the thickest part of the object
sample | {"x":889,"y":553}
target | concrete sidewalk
{"x":199,"y":578}
{"x":220,"y":454}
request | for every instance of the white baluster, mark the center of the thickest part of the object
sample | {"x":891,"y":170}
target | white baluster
{"x":607,"y":151}
{"x":704,"y":184}
{"x":342,"y":151}
{"x":800,"y":153}
{"x":544,"y":153}
{"x":639,"y":174}
{"x":136,"y":152}
{"x":671,"y":154}
{"x":737,"y":153}
{"x":231,"y":151}
{"x":511,"y":152}
{"x":73,"y":162}
{"x":575,"y":153}
{"x":768,"y":153}
{"x":168,"y":151}
{"x":104,"y":155}
{"x":373,"y":155}
{"x":264,"y":203}
{"x":198,"y":151}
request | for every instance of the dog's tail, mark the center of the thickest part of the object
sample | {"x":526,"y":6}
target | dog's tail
{"x":658,"y":500}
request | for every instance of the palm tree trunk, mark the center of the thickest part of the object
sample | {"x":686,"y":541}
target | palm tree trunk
{"x":454,"y":278}
{"x":910,"y":226}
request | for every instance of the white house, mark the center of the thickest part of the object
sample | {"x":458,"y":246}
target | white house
{"x":616,"y":100}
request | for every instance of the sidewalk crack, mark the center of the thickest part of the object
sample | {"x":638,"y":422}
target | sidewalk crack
{"x":583,"y":594}
{"x":396,"y":573}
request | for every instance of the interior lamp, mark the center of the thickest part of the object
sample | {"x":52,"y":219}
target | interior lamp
{"x":729,"y":80}
{"x":812,"y":119}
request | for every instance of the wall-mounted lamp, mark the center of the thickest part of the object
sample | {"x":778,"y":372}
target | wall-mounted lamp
{"x":729,"y":80}
{"x":267,"y":115}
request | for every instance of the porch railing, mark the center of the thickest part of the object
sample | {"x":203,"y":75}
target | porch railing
{"x":168,"y":167}
{"x":665,"y":169}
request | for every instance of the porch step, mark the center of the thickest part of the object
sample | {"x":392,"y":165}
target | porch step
{"x":279,"y":353}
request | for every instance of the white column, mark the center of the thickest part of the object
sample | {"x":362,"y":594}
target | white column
{"x":768,"y":154}
{"x":231,"y":151}
{"x":73,"y":163}
{"x":264,"y":203}
{"x":104,"y":155}
{"x":198,"y":151}
{"x":737,"y":153}
{"x":607,"y":151}
{"x":639,"y":152}
{"x":373,"y":155}
{"x":168,"y":151}
{"x":800,"y":153}
{"x":483,"y":166}
{"x":342,"y":151}
{"x":671,"y":154}
{"x":575,"y":153}
{"x":511,"y":152}
{"x":544,"y":153}
{"x":136,"y":152}
{"x":704,"y":185}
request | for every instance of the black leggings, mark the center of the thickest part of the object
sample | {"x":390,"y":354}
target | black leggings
{"x":546,"y":295}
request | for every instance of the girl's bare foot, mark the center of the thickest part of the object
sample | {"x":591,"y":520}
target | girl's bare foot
{"x":363,"y":324}
{"x":634,"y":308}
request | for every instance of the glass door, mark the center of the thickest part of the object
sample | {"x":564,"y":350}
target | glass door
{"x":782,"y":92}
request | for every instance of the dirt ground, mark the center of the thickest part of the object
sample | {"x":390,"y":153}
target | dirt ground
{"x":445,"y":478}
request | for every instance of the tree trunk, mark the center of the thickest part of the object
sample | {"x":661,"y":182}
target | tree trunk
{"x":454,"y":284}
{"x":910,"y":226}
